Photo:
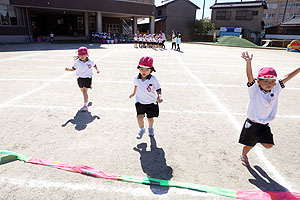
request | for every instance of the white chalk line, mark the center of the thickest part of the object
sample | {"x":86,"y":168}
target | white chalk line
{"x":11,"y":101}
{"x":27,"y":55}
{"x":98,"y":188}
{"x":130,"y":82}
{"x":47,"y":107}
{"x":238,"y":127}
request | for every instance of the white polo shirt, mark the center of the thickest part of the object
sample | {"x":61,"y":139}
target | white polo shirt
{"x":146,"y":90}
{"x":83,"y":69}
{"x":262,"y":106}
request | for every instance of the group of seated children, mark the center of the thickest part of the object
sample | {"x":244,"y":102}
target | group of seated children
{"x":149,"y":41}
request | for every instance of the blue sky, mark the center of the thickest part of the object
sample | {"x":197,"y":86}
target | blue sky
{"x":208,"y":3}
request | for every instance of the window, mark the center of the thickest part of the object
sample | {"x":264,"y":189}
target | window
{"x":272,"y":6}
{"x":244,"y":15}
{"x":92,"y":23}
{"x":290,"y":5}
{"x":255,"y":13}
{"x":11,"y":16}
{"x":112,"y":28}
{"x":223,"y":15}
{"x":269,"y":16}
{"x":268,"y":25}
{"x":159,"y":13}
{"x":80,"y":23}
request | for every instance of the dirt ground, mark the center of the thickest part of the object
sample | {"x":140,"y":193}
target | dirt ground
{"x":196,"y":134}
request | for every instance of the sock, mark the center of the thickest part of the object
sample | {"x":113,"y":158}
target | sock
{"x":142,"y":128}
{"x":150,"y":127}
{"x":85,"y":103}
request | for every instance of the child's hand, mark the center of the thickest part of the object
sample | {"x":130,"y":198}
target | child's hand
{"x":130,"y":96}
{"x":98,"y":71}
{"x":159,"y":99}
{"x":246,"y":56}
{"x":66,"y":69}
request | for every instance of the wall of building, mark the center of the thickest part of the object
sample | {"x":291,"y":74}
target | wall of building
{"x":274,"y":14}
{"x":181,"y":16}
{"x":40,"y":17}
{"x":90,"y":5}
{"x":253,"y":24}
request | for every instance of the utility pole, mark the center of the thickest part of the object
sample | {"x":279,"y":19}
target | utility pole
{"x":286,"y":4}
{"x":203,"y":8}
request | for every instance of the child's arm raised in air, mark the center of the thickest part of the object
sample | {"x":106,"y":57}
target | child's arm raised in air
{"x":289,"y":76}
{"x":134,"y":92}
{"x":248,"y":60}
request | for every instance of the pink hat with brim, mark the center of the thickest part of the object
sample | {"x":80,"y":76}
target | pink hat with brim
{"x":267,"y":73}
{"x":82,"y":51}
{"x":146,"y":62}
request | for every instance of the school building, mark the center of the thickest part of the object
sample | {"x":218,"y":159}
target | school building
{"x":245,"y":15}
{"x":27,"y":20}
{"x":176,"y":14}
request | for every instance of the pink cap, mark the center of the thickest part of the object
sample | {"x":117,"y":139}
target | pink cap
{"x":146,"y":62}
{"x":267,"y":73}
{"x":82,"y":51}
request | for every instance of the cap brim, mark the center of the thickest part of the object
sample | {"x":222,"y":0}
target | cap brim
{"x":143,"y":66}
{"x":265,"y":78}
{"x":147,"y":67}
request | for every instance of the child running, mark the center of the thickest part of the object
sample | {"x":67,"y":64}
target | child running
{"x":262,"y":106}
{"x":83,"y":66}
{"x":148,"y":95}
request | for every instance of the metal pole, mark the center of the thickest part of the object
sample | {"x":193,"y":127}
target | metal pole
{"x":203,"y":8}
{"x":286,"y":3}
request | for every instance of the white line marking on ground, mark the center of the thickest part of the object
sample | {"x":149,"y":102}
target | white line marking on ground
{"x":10,"y":102}
{"x":237,"y":126}
{"x":130,"y":82}
{"x":71,"y":187}
{"x":133,"y":110}
{"x":13,"y":100}
{"x":27,"y":55}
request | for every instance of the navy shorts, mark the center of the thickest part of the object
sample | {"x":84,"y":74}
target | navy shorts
{"x":151,"y":110}
{"x":253,"y":133}
{"x":84,"y":82}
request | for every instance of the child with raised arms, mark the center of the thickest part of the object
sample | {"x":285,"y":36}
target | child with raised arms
{"x":262,"y":106}
{"x":84,"y":72}
{"x":148,"y":95}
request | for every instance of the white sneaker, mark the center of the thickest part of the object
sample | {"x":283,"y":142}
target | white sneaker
{"x":140,"y":133}
{"x":151,"y":131}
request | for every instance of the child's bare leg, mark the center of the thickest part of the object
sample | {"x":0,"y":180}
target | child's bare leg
{"x":150,"y":121}
{"x":140,"y":120}
{"x":85,"y":94}
{"x":267,"y":146}
{"x":246,"y":149}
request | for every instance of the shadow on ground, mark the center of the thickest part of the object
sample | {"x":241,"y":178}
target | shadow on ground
{"x":263,"y":181}
{"x":48,"y":46}
{"x":81,"y":119}
{"x":7,"y":159}
{"x":154,"y":164}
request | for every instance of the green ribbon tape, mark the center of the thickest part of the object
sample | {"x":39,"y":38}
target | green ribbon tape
{"x":201,"y":188}
{"x":153,"y":181}
{"x":19,"y":156}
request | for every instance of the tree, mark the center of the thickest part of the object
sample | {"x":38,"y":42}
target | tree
{"x":203,"y":26}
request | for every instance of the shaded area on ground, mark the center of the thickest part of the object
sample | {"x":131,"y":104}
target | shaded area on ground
{"x":263,"y":181}
{"x":154,"y":164}
{"x":82,"y":119}
{"x":48,"y":46}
